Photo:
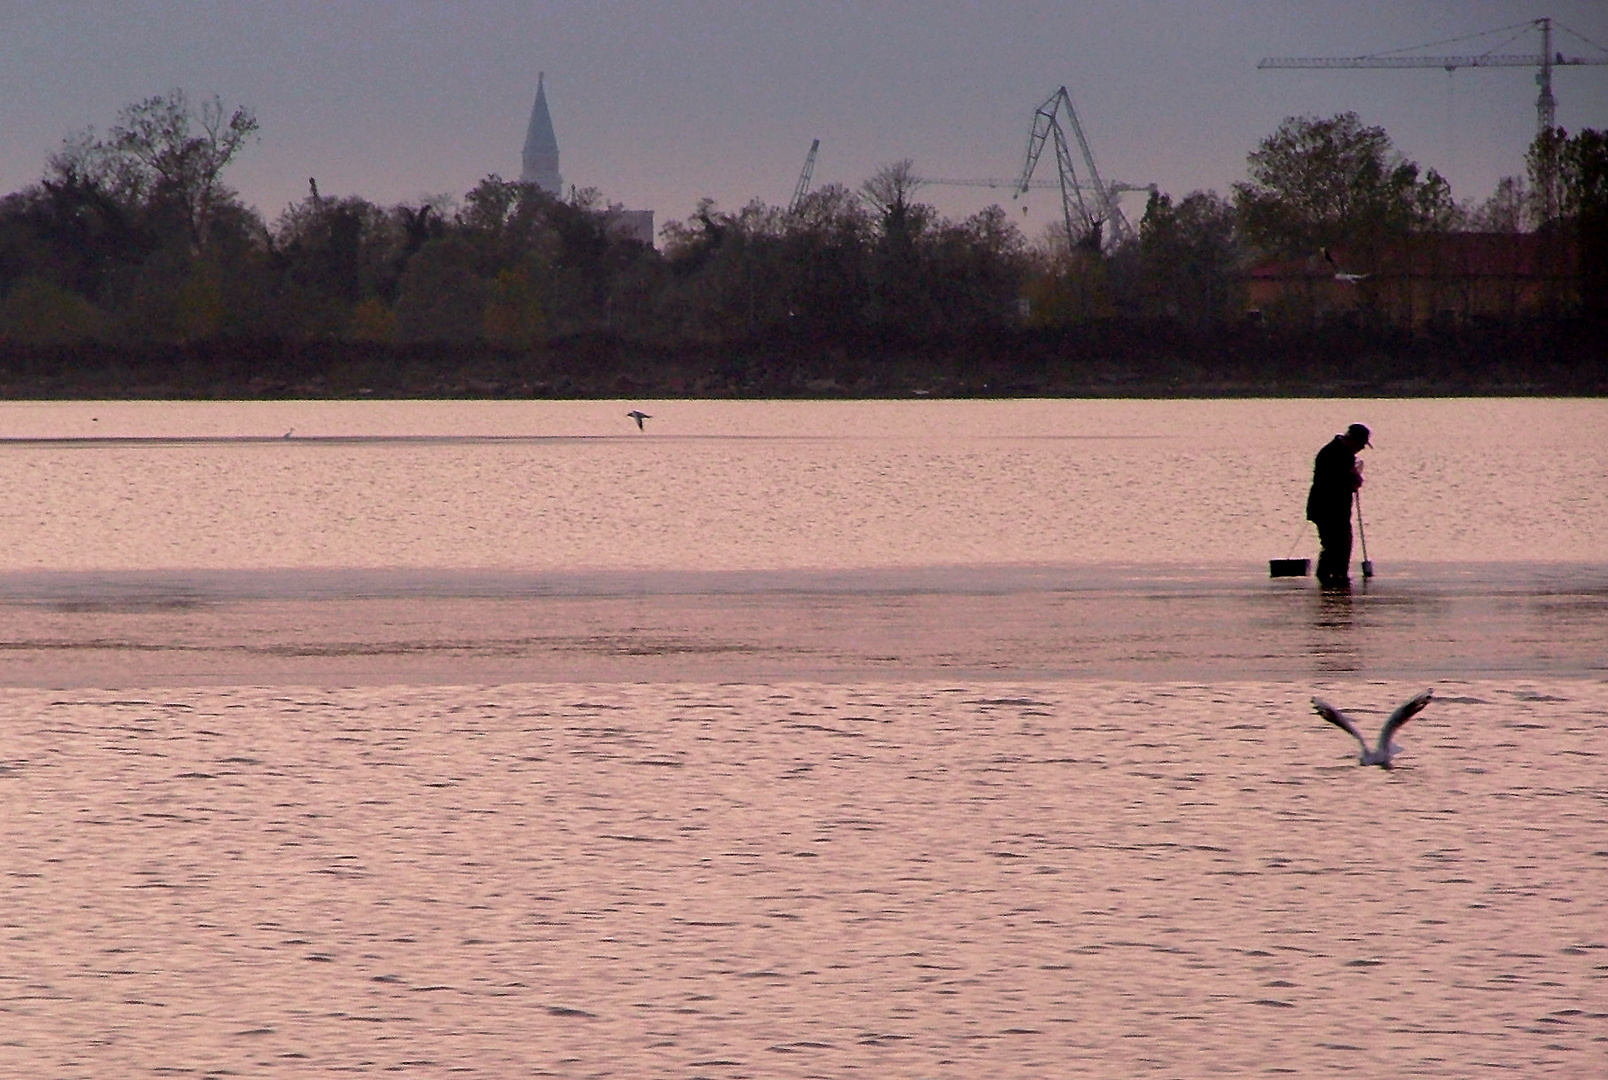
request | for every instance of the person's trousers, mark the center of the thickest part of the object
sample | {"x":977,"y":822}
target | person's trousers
{"x":1334,"y":550}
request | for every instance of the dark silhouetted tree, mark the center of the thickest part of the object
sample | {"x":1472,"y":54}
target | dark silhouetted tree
{"x":899,"y":302}
{"x":1317,"y":183}
{"x":332,"y":255}
{"x":1509,"y":209}
{"x":1189,"y":259}
{"x":442,"y":297}
{"x":1584,"y":193}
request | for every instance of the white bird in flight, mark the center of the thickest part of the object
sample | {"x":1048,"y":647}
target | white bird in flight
{"x":1384,"y":750}
{"x":1340,"y":275}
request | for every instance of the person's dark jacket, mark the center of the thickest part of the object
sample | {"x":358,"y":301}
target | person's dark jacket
{"x":1334,"y":479}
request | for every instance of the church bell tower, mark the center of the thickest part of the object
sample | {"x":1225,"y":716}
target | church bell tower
{"x":541,"y":146}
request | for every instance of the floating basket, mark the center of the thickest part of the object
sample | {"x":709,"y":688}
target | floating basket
{"x":1289,"y":567}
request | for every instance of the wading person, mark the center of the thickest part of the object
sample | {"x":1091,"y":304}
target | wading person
{"x":1336,"y":476}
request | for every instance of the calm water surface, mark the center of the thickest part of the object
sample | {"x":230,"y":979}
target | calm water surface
{"x":782,"y":739}
{"x":556,"y":487}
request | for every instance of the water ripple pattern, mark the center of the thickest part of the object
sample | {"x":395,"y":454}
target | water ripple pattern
{"x":796,"y":739}
{"x":801,"y":880}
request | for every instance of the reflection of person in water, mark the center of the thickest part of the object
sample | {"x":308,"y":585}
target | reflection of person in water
{"x":1336,"y":476}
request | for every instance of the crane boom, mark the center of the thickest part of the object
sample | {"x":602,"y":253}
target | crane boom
{"x":802,"y":188}
{"x":1450,"y":63}
{"x":1019,"y":187}
{"x":1543,"y":61}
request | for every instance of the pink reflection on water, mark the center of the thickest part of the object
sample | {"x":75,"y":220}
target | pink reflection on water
{"x":800,"y":879}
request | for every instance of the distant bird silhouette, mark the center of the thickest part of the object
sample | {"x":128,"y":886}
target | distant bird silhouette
{"x":638,"y":415}
{"x":1384,"y":750}
{"x":286,"y":435}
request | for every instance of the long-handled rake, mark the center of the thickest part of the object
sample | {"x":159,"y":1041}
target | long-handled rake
{"x":1367,"y":563}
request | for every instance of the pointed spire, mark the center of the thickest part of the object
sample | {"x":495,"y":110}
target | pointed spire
{"x":541,"y":145}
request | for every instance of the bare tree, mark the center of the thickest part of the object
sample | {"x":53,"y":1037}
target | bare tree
{"x":1508,"y":210}
{"x":162,"y":155}
{"x":892,"y":188}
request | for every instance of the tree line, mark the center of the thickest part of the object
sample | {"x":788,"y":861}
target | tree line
{"x":134,"y":237}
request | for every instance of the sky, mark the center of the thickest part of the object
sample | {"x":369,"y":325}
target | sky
{"x":658,"y":103}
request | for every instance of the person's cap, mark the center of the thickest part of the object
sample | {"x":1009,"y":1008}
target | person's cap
{"x":1358,"y":431}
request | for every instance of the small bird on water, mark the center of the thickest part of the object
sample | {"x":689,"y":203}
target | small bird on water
{"x":1381,"y":753}
{"x":638,"y":415}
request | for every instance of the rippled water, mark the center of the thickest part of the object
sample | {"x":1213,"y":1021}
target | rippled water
{"x":802,"y":880}
{"x":906,"y":739}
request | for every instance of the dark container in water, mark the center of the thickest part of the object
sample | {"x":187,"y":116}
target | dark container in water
{"x":1289,"y":567}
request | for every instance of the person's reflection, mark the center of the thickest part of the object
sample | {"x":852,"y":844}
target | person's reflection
{"x":1333,"y":645}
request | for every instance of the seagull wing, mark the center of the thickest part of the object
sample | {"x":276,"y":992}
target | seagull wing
{"x":1404,"y":712}
{"x":1338,"y":719}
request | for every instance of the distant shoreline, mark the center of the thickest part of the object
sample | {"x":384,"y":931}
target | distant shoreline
{"x":1111,"y":359}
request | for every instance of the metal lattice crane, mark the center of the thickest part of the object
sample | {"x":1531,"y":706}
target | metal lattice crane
{"x":1017,"y":187}
{"x":802,"y":188}
{"x":1544,"y":61}
{"x":1086,"y":207}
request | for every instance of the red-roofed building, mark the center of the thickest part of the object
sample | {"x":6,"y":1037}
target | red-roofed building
{"x":1422,"y":278}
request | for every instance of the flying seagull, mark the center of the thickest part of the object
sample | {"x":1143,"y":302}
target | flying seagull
{"x":1340,"y":275}
{"x":638,"y":415}
{"x":1384,"y":750}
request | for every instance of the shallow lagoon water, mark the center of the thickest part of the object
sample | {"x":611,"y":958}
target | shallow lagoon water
{"x":559,"y":487}
{"x":802,"y":879}
{"x":791,"y":741}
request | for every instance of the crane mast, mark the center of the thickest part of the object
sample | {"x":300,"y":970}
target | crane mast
{"x":1546,"y":106}
{"x":1100,"y":207}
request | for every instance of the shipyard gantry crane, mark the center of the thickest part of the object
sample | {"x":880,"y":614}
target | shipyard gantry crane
{"x":1544,"y":61}
{"x":1086,"y":207}
{"x":1066,"y":183}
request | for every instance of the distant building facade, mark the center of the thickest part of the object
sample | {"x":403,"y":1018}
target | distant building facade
{"x":541,"y":146}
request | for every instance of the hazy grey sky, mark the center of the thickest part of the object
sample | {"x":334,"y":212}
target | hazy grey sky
{"x":658,"y":103}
